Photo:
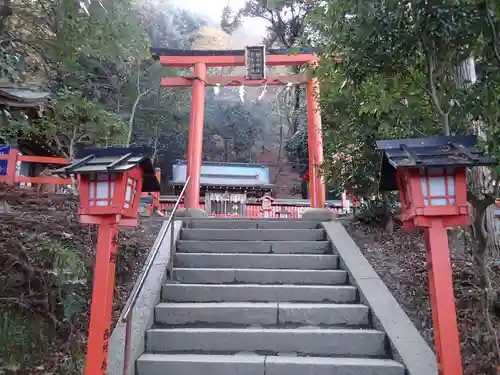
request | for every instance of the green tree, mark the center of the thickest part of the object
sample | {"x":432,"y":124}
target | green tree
{"x":238,"y":124}
{"x":409,"y":69}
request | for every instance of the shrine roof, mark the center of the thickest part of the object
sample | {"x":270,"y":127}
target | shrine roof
{"x":226,"y":175}
{"x":17,"y":97}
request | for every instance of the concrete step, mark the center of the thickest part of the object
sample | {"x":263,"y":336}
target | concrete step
{"x":240,"y":364}
{"x":259,"y":276}
{"x":302,"y":341}
{"x":253,"y":224}
{"x":264,"y":314}
{"x":275,"y":247}
{"x":276,"y":261}
{"x":258,"y":293}
{"x":253,"y":234}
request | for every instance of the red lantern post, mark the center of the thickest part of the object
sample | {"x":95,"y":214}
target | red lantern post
{"x":430,"y":174}
{"x":110,"y":183}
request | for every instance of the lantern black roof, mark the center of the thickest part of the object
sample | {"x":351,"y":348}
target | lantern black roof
{"x":428,"y":152}
{"x":115,"y":159}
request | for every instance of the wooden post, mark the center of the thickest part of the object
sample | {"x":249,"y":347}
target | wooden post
{"x":315,"y":143}
{"x":156,"y":194}
{"x":195,"y":147}
{"x":444,"y":316}
{"x":102,"y":297}
{"x":12,"y":166}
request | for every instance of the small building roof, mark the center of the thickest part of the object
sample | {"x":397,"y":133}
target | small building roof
{"x":231,"y":176}
{"x":22,"y":97}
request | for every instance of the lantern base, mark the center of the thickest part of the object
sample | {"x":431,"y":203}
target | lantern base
{"x":96,"y":220}
{"x":427,"y":222}
{"x":321,"y":214}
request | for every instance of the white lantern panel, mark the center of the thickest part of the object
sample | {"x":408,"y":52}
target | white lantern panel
{"x":130,"y":192}
{"x":92,"y":192}
{"x":102,"y":189}
{"x":438,"y":186}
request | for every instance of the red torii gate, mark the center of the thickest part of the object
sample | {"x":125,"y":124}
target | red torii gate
{"x":200,"y":61}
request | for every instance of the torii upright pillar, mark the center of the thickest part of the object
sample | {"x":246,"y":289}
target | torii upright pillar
{"x":195,"y":141}
{"x":315,"y":143}
{"x":201,"y":60}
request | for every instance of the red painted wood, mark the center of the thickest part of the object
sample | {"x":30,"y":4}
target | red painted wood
{"x":96,"y":362}
{"x":196,"y":137}
{"x":435,"y":220}
{"x":317,"y":189}
{"x":44,"y":180}
{"x":116,"y":204}
{"x":11,"y":173}
{"x":444,"y":316}
{"x":235,"y":81}
{"x":42,"y":159}
{"x":211,"y":61}
{"x":14,"y":156}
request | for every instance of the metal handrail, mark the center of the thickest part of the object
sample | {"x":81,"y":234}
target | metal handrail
{"x":128,"y":310}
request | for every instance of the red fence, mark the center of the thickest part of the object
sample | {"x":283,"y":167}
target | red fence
{"x":14,"y":157}
{"x":255,"y":211}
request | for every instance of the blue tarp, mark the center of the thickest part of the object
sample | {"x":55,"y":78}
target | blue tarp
{"x":4,"y":149}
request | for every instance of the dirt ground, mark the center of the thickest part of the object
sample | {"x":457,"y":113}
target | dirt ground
{"x":400,"y":260}
{"x":45,"y":311}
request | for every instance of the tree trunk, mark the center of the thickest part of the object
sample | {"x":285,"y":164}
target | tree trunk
{"x":445,"y":122}
{"x":388,"y":218}
{"x":484,"y":232}
{"x":296,"y":109}
{"x":303,"y":189}
{"x":226,"y":151}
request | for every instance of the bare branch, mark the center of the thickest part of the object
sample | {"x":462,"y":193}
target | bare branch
{"x":132,"y":114}
{"x":494,"y":35}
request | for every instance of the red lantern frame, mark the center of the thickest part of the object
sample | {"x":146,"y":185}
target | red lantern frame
{"x":119,"y":184}
{"x":418,"y":210}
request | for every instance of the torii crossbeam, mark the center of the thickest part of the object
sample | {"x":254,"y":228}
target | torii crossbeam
{"x":200,"y":61}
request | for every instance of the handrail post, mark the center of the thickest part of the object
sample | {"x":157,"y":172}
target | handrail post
{"x":128,"y":341}
{"x":172,"y":248}
{"x":129,"y":307}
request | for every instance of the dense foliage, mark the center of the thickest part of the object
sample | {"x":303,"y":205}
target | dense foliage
{"x":414,"y":68}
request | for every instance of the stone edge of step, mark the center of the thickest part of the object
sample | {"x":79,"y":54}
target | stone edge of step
{"x":254,"y":358}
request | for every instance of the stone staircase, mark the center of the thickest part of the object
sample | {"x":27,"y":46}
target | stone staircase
{"x":255,"y":297}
